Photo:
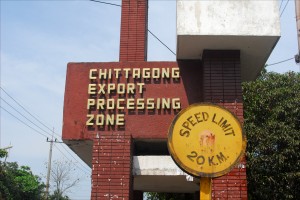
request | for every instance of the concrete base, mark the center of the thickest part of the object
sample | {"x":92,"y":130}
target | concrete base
{"x":161,"y":174}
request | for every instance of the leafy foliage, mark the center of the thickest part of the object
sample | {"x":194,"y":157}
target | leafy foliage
{"x":19,"y":182}
{"x":58,"y":196}
{"x":3,"y":153}
{"x":272,"y":124}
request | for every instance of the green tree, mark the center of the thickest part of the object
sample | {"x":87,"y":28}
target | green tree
{"x":58,"y":196}
{"x":19,"y":183}
{"x":272,"y":124}
{"x":3,"y":153}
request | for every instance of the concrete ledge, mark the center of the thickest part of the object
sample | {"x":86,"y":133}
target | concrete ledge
{"x":251,"y":26}
{"x":161,"y":174}
{"x":155,"y":165}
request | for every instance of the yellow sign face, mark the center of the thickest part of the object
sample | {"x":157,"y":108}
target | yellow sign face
{"x":206,"y":140}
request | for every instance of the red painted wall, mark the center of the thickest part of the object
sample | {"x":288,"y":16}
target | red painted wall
{"x":138,"y":123}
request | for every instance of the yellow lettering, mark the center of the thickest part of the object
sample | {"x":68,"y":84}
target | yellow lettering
{"x":92,"y":73}
{"x":146,"y":72}
{"x":89,"y":121}
{"x":117,"y":71}
{"x":140,"y":85}
{"x":130,"y":88}
{"x":176,"y":103}
{"x":121,"y":88}
{"x":110,"y":119}
{"x":100,"y":120}
{"x":102,"y":73}
{"x":91,"y":102}
{"x":92,"y":88}
{"x":136,"y":73}
{"x":175,"y":73}
{"x":165,"y":73}
{"x":130,"y":104}
{"x":140,"y":104}
{"x":100,"y":104}
{"x":165,"y":103}
{"x":119,"y":104}
{"x":101,"y":88}
{"x":126,"y":72}
{"x":155,"y":73}
{"x":111,"y":87}
{"x":110,"y":105}
{"x":120,"y":119}
{"x":150,"y":103}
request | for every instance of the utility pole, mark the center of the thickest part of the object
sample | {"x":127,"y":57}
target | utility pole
{"x":49,"y":165}
{"x":297,"y":8}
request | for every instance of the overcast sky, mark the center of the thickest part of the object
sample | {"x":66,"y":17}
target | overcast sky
{"x":39,"y":38}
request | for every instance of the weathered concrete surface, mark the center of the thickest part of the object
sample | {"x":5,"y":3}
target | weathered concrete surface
{"x":161,"y":174}
{"x":250,"y":26}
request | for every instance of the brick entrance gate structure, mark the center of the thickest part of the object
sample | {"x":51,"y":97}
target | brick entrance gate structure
{"x":109,"y":147}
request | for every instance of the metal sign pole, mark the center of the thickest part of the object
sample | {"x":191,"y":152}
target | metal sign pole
{"x":205,"y":188}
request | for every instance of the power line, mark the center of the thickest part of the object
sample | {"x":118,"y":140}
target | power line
{"x":284,"y":7}
{"x":161,"y":42}
{"x":148,"y":29}
{"x":280,"y":62}
{"x":72,"y":156}
{"x":32,"y":122}
{"x":27,"y":110}
{"x":280,"y":4}
{"x":83,"y":170}
{"x":49,"y":166}
{"x":24,"y":116}
{"x":24,"y":108}
{"x":26,"y":124}
{"x":23,"y":122}
{"x":112,"y":4}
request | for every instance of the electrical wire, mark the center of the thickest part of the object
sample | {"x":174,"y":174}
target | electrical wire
{"x":103,"y":2}
{"x":284,"y":7}
{"x":280,"y":4}
{"x":28,"y":111}
{"x":83,"y":170}
{"x":279,"y":62}
{"x":161,"y":42}
{"x":24,"y":122}
{"x":24,"y":116}
{"x":62,"y":145}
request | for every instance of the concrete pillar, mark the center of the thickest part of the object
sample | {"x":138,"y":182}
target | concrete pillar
{"x":112,"y":166}
{"x":112,"y":152}
{"x":134,"y":29}
{"x":222,"y":85}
